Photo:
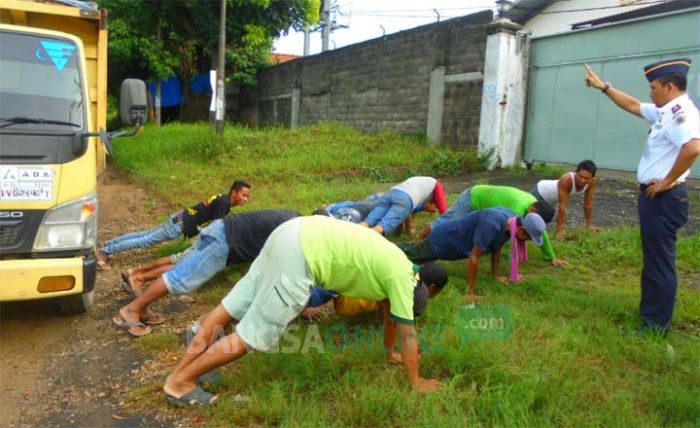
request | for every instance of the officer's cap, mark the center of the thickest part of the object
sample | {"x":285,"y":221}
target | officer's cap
{"x":666,"y":67}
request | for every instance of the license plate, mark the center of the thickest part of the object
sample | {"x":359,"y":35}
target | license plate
{"x":26,"y":183}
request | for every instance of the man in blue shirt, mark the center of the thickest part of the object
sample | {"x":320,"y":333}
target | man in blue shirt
{"x":471,"y":236}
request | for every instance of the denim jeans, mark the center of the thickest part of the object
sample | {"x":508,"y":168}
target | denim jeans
{"x":462,"y":207}
{"x":208,"y":256}
{"x":167,"y":231}
{"x":394,"y":207}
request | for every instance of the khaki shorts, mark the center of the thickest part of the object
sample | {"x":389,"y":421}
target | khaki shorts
{"x":274,"y":291}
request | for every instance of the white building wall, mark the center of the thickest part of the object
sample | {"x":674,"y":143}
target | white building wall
{"x":555,"y":19}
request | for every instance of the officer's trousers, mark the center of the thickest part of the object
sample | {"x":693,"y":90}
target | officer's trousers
{"x":659,"y":220}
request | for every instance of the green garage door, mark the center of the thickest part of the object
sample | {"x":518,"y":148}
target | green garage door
{"x":567,"y":122}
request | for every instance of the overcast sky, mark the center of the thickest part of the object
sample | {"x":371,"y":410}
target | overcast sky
{"x":365,"y":19}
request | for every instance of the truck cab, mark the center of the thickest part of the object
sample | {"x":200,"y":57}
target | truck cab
{"x":53,"y":64}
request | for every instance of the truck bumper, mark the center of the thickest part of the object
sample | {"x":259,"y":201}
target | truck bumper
{"x":46,"y":278}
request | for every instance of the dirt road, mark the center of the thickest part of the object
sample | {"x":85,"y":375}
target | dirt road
{"x":74,"y":371}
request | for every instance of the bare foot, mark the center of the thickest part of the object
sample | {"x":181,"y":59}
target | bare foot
{"x":102,"y":263}
{"x":132,"y":318}
{"x":176,"y":388}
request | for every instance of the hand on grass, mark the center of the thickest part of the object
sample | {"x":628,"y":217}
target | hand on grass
{"x":394,"y":358}
{"x":471,"y":299}
{"x":427,"y":385}
{"x":559,"y":262}
{"x":313,"y":314}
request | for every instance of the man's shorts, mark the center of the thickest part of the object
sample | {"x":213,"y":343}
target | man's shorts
{"x":177,"y":257}
{"x":274,"y":291}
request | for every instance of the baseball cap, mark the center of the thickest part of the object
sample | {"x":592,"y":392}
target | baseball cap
{"x":420,"y":298}
{"x":321,"y":211}
{"x":535,"y":227}
{"x":428,"y":274}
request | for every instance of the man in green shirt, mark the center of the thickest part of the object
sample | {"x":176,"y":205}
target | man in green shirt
{"x":519,"y":201}
{"x":299,"y":254}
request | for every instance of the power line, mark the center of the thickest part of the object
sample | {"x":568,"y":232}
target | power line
{"x":418,"y":10}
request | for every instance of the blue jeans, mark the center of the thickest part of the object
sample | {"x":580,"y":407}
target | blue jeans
{"x":348,"y":214}
{"x":462,"y":207}
{"x":167,"y":231}
{"x":208,"y":256}
{"x":394,"y":207}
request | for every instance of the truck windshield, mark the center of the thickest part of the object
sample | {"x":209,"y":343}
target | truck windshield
{"x":40,"y":84}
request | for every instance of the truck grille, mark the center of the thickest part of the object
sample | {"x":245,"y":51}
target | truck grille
{"x":10,"y":236}
{"x":17,"y":234}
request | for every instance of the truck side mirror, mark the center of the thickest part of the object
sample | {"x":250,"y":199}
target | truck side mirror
{"x":133,"y":102}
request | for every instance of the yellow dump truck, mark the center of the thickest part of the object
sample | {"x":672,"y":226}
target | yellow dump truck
{"x":53,"y":107}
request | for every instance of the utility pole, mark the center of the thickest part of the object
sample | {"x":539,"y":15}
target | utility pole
{"x":159,"y":85}
{"x":220,"y":96}
{"x":326,"y":23}
{"x":307,"y":40}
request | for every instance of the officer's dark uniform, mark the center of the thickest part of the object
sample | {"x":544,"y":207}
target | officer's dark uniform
{"x":672,"y":125}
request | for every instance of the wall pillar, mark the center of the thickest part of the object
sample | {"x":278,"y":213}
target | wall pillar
{"x":436,"y":101}
{"x":504,"y":94}
{"x":296,"y":106}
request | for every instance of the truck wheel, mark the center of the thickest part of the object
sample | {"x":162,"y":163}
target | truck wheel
{"x":76,"y":303}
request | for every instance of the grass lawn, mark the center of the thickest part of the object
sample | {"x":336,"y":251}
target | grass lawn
{"x":552,"y":350}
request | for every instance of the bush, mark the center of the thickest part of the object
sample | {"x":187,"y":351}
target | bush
{"x":450,"y":162}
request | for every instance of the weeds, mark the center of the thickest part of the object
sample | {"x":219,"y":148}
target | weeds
{"x":565,"y":359}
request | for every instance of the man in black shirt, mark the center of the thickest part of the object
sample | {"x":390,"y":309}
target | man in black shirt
{"x":184,"y":222}
{"x":232,"y":239}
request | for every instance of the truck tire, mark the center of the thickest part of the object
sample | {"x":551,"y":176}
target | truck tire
{"x":76,"y":303}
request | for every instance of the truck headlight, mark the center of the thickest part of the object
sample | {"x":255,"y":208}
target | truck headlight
{"x":72,"y":225}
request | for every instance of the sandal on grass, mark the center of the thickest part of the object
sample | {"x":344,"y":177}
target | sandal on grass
{"x":152,"y":319}
{"x":210,"y":380}
{"x":196,"y":397}
{"x":129,"y":327}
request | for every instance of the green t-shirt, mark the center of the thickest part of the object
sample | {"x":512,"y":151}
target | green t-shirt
{"x":355,"y":261}
{"x":516,"y":200}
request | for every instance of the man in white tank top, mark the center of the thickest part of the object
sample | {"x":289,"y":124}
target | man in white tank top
{"x":571,"y":183}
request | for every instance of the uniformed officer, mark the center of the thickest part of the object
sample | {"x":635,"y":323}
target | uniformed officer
{"x":672,"y":147}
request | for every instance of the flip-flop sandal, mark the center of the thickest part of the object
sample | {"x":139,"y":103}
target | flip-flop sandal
{"x":210,"y":380}
{"x":128,"y":327}
{"x":152,"y":319}
{"x":196,"y":397}
{"x":128,"y":287}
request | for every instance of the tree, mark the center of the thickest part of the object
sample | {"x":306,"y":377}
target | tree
{"x":161,"y":38}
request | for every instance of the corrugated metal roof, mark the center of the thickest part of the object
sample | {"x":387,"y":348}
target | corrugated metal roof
{"x":524,"y":10}
{"x":670,"y":6}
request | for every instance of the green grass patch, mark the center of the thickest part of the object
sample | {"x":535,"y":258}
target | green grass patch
{"x":301,"y":168}
{"x":157,"y":342}
{"x":566,"y":358}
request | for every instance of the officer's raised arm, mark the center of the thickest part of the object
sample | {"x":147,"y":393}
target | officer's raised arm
{"x":621,"y":99}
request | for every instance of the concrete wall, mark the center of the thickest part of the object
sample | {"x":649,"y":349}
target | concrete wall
{"x":384,"y":83}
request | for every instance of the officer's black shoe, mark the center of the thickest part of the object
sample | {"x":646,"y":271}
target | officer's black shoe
{"x":646,"y":330}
